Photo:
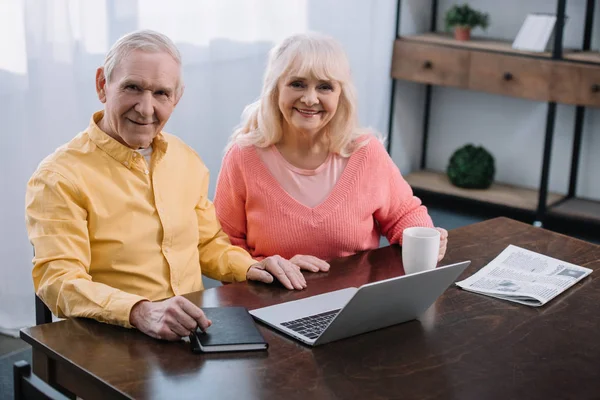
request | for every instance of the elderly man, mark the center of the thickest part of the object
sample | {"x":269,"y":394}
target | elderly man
{"x":119,"y":217}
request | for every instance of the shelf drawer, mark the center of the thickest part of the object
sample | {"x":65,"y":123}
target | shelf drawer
{"x":575,"y":84}
{"x":432,"y":64}
{"x":510,"y":75}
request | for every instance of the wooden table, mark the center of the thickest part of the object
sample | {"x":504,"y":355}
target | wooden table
{"x":466,"y":346}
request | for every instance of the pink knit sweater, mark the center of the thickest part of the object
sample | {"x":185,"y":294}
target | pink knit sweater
{"x":370,"y":198}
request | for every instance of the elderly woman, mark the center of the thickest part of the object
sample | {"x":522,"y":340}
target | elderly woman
{"x":300,"y":178}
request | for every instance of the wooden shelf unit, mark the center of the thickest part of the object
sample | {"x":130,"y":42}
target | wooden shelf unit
{"x":499,"y":46}
{"x":583,"y":56}
{"x":493,"y":66}
{"x":486,"y":44}
{"x":584,"y":209}
{"x":500,"y":194}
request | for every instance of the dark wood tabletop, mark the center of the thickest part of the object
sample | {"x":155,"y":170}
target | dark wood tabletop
{"x":467,"y":346}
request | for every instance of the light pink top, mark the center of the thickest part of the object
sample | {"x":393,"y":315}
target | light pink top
{"x":309,"y":187}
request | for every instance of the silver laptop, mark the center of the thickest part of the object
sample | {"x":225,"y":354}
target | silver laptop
{"x":337,"y":315}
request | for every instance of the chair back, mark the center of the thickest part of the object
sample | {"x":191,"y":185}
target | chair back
{"x":43,"y":315}
{"x":30,"y":387}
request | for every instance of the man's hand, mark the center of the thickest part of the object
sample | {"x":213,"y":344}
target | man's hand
{"x":277,"y":267}
{"x":443,"y":243}
{"x":310,"y":263}
{"x":169,"y":319}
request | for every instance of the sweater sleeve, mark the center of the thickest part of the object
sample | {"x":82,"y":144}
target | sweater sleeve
{"x":400,"y":208}
{"x":230,"y":198}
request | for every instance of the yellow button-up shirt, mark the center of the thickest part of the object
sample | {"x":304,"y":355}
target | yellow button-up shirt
{"x":108,"y":231}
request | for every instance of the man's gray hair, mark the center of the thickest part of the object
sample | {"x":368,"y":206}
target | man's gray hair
{"x":144,"y":40}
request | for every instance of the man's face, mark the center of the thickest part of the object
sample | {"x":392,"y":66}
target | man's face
{"x":139,"y":98}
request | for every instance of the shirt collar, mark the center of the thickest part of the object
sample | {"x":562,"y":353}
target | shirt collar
{"x":116,"y":150}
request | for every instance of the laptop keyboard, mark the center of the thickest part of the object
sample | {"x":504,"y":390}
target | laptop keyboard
{"x":313,"y":325}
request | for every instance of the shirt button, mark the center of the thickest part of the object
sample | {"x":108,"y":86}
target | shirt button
{"x":166,"y":250}
{"x":135,"y":154}
{"x":146,"y":172}
{"x":126,"y":164}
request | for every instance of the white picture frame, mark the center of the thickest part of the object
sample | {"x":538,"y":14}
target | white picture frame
{"x":536,"y":33}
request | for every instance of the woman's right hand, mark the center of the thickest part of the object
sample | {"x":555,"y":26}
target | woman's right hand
{"x":310,"y":263}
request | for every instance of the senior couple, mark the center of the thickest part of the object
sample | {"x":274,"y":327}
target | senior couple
{"x":120,"y":219}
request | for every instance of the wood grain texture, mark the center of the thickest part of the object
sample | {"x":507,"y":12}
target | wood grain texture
{"x":509,"y":75}
{"x":467,"y":346}
{"x":585,"y":209}
{"x":575,"y":84}
{"x":485,"y":44}
{"x":584,"y":56}
{"x":493,"y":66}
{"x":498,"y":193}
{"x":436,"y":65}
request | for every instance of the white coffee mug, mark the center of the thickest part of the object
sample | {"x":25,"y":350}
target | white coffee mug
{"x":420,"y":249}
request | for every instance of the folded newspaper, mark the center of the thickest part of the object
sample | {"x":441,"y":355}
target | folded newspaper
{"x":524,"y":277}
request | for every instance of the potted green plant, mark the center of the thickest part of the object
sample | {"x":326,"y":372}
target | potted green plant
{"x":463,"y":19}
{"x":471,"y":167}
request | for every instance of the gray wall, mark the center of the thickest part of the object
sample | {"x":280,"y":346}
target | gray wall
{"x":512,"y":129}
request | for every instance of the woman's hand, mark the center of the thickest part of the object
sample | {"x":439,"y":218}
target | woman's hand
{"x":276,"y":267}
{"x":443,"y":243}
{"x":310,"y":263}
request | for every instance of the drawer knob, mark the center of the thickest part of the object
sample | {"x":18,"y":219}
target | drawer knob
{"x":508,"y":76}
{"x":427,"y":64}
{"x":595,"y":88}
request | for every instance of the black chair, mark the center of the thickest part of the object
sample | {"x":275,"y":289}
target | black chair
{"x":43,"y":315}
{"x":30,"y":387}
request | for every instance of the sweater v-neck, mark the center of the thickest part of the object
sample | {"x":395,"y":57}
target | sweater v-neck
{"x":337,"y":195}
{"x":297,"y":170}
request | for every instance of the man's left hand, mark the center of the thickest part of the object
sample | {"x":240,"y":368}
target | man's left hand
{"x":277,"y":267}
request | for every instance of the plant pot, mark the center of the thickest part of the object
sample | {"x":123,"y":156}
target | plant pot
{"x":462,"y":33}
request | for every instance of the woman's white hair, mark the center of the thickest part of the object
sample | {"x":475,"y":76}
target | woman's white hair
{"x":144,"y":40}
{"x":304,"y":55}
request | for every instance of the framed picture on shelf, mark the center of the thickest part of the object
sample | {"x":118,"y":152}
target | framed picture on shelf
{"x":536,"y":33}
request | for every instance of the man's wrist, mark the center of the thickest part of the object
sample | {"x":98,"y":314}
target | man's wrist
{"x":135,"y":312}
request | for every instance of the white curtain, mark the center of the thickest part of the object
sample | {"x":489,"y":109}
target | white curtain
{"x":50,"y":49}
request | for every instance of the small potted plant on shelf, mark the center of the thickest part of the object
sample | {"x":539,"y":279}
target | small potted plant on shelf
{"x":471,"y":167}
{"x":463,"y":19}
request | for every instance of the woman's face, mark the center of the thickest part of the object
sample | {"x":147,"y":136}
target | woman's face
{"x":306,"y":103}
